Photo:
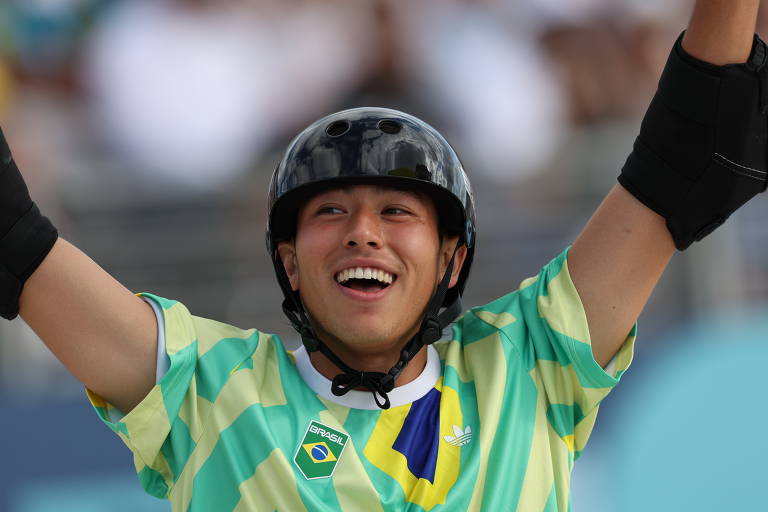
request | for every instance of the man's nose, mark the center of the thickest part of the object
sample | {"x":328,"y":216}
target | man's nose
{"x":364,"y":230}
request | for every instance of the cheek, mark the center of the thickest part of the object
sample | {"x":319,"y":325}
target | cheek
{"x":312,"y":245}
{"x":314,"y":240}
{"x":420,"y":246}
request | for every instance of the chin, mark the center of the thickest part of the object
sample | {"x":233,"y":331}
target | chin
{"x":366,"y":334}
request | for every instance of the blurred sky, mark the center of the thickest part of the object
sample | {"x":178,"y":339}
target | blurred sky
{"x":148,"y":129}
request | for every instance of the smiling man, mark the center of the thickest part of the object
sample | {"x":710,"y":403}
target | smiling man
{"x":371,"y":221}
{"x":396,"y":400}
{"x":363,"y":258}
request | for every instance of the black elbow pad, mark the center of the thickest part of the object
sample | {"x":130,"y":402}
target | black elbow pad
{"x":702,"y":151}
{"x":26,"y":236}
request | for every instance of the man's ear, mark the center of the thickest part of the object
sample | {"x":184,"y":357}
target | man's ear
{"x":446,"y":251}
{"x":287,"y":252}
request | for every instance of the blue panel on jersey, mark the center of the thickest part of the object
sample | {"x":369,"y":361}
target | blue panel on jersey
{"x":419,"y":438}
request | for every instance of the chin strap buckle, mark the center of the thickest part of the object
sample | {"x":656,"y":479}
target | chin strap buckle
{"x":430,"y":331}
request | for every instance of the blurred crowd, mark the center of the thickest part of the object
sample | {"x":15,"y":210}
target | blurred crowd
{"x":148,"y":129}
{"x":190,"y":93}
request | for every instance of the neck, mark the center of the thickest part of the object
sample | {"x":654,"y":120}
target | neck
{"x":376,"y":362}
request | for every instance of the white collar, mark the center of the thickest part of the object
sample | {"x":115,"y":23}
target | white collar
{"x":356,"y":399}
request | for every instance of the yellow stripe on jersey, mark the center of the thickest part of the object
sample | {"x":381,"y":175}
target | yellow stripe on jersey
{"x":567,"y":321}
{"x":498,"y":320}
{"x":259,"y":493}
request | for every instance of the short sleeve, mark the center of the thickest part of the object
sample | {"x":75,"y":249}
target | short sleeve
{"x":558,"y":325}
{"x":554,"y":345}
{"x":559,"y":347}
{"x":161,"y":431}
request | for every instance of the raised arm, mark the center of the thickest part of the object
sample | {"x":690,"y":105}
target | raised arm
{"x":105,"y":335}
{"x":620,"y":255}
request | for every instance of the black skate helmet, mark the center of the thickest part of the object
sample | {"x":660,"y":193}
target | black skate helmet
{"x":372,"y":145}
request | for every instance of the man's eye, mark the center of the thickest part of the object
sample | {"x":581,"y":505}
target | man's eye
{"x":331,"y":210}
{"x":394,"y":210}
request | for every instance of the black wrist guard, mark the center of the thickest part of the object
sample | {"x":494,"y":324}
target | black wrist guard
{"x":702,"y":151}
{"x":26,"y":236}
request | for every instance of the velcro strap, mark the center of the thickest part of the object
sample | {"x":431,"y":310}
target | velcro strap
{"x":27,"y":243}
{"x":643,"y":170}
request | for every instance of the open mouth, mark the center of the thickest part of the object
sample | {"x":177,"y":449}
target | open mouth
{"x":365,"y":279}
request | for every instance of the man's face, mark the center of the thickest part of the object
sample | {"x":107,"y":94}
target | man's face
{"x":392,"y":235}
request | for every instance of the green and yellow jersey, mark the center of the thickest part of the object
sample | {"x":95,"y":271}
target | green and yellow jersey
{"x":502,"y":410}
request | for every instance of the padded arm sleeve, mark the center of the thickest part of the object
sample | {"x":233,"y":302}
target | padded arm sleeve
{"x":702,"y":150}
{"x":26,"y":236}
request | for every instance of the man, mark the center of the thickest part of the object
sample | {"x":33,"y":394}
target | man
{"x":372,"y":232}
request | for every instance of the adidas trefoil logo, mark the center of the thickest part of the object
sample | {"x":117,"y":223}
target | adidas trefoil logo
{"x":461,"y":438}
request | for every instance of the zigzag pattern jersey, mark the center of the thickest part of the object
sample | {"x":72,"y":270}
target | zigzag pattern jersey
{"x":233,"y":426}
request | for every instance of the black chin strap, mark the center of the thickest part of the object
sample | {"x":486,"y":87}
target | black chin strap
{"x":382,"y":383}
{"x":377,"y":382}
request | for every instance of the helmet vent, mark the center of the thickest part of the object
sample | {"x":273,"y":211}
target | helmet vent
{"x":389,"y":126}
{"x":337,"y":128}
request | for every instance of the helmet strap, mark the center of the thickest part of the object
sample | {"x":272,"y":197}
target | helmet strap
{"x":380,"y":384}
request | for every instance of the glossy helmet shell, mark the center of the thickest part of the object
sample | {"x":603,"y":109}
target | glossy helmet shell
{"x":372,"y":145}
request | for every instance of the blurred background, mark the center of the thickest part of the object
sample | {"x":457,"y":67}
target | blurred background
{"x":148,"y":129}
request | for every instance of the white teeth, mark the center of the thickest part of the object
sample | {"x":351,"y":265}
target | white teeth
{"x":364,"y":273}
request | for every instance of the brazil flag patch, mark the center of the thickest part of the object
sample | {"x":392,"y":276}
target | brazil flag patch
{"x":319,"y":451}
